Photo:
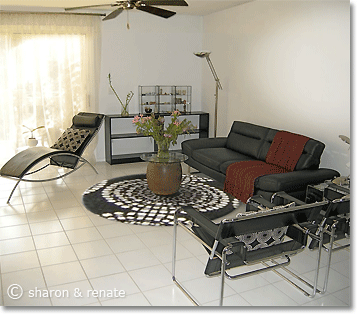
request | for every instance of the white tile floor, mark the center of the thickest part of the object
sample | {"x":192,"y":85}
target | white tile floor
{"x":49,"y":241}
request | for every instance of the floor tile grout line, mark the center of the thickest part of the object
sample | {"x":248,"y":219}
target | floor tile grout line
{"x":79,"y":261}
{"x":339,"y":297}
{"x":33,"y":240}
{"x":37,"y":253}
{"x":127,"y":272}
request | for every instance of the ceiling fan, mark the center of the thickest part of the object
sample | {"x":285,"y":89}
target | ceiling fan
{"x":142,"y":5}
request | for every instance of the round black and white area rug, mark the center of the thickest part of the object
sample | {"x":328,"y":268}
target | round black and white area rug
{"x":128,"y":199}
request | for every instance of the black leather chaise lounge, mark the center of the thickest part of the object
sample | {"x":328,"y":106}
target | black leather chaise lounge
{"x":66,"y":152}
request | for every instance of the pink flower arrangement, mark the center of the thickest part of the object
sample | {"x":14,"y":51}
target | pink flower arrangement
{"x":163,"y":135}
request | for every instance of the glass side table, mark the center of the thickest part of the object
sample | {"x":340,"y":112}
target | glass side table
{"x":173,"y":157}
{"x":164,"y":175}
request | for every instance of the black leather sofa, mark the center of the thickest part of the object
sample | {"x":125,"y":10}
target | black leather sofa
{"x":247,"y":141}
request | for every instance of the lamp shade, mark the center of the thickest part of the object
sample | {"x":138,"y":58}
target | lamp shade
{"x":202,"y":54}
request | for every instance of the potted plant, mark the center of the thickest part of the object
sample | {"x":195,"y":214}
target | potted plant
{"x":32,"y":141}
{"x":164,"y":173}
{"x":154,"y":126}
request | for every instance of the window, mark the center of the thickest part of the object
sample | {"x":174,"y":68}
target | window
{"x":48,"y":72}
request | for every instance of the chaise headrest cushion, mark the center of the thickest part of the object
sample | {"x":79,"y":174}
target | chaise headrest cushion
{"x":85,"y":121}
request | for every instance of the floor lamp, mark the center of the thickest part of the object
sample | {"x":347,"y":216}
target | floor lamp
{"x":206,"y":54}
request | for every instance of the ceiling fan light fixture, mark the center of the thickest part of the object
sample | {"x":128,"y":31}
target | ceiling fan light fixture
{"x":142,"y":5}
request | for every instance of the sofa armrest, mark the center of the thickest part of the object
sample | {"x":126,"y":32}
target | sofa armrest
{"x":296,"y":180}
{"x":202,"y":143}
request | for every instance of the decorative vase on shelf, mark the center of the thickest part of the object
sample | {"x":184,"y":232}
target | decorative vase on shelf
{"x":125,"y":112}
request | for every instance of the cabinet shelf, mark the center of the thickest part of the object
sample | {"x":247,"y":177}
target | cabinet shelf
{"x":112,"y":138}
{"x":126,"y":135}
{"x":140,"y":135}
{"x":165,"y":98}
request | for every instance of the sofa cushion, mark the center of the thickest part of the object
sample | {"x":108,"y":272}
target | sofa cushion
{"x":247,"y":139}
{"x":214,"y":157}
{"x":226,"y":164}
{"x":311,"y":155}
{"x":293,"y":181}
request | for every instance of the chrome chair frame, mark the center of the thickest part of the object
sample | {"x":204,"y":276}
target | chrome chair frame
{"x":330,"y":229}
{"x":229,"y":247}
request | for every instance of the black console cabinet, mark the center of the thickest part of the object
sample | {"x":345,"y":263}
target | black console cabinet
{"x":110,"y":136}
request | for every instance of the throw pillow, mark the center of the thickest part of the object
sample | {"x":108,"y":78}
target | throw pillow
{"x":71,"y":139}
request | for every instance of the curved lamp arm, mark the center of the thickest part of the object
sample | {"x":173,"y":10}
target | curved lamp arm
{"x":205,"y":54}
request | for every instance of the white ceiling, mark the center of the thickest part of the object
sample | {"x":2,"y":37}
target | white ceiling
{"x":196,"y":7}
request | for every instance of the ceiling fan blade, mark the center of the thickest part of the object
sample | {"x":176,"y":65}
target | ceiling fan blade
{"x":165,"y":2}
{"x":113,"y":14}
{"x":156,"y":11}
{"x":88,"y":6}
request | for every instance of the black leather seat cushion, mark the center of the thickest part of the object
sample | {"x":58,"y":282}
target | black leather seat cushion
{"x":293,"y":180}
{"x":215,"y":157}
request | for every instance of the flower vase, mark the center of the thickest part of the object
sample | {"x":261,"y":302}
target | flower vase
{"x":124,"y":112}
{"x":163,"y":150}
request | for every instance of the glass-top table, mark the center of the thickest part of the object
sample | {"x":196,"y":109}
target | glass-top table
{"x":173,"y":157}
{"x":164,"y":174}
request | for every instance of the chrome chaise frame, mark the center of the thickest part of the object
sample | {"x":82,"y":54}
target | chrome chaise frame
{"x":81,"y":161}
{"x":50,"y":153}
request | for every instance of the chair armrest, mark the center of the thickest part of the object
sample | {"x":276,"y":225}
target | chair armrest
{"x":281,"y":198}
{"x":297,"y":233}
{"x":202,"y":143}
{"x":198,"y":218}
{"x":295,"y":180}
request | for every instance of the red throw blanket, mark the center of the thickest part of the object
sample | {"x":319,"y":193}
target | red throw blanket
{"x":286,"y":149}
{"x":282,"y":157}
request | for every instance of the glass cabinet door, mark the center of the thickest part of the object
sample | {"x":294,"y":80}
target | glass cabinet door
{"x":164,"y":99}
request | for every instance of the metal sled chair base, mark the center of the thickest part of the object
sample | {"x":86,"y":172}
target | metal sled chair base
{"x":331,"y":249}
{"x":276,"y":265}
{"x":81,"y":162}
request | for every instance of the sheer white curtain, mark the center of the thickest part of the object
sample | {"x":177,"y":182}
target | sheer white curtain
{"x":49,"y":71}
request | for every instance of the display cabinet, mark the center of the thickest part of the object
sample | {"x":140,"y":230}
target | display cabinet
{"x":124,"y":145}
{"x":164,"y":98}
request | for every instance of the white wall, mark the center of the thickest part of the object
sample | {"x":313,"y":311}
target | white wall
{"x":155,"y":51}
{"x":285,"y":65}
